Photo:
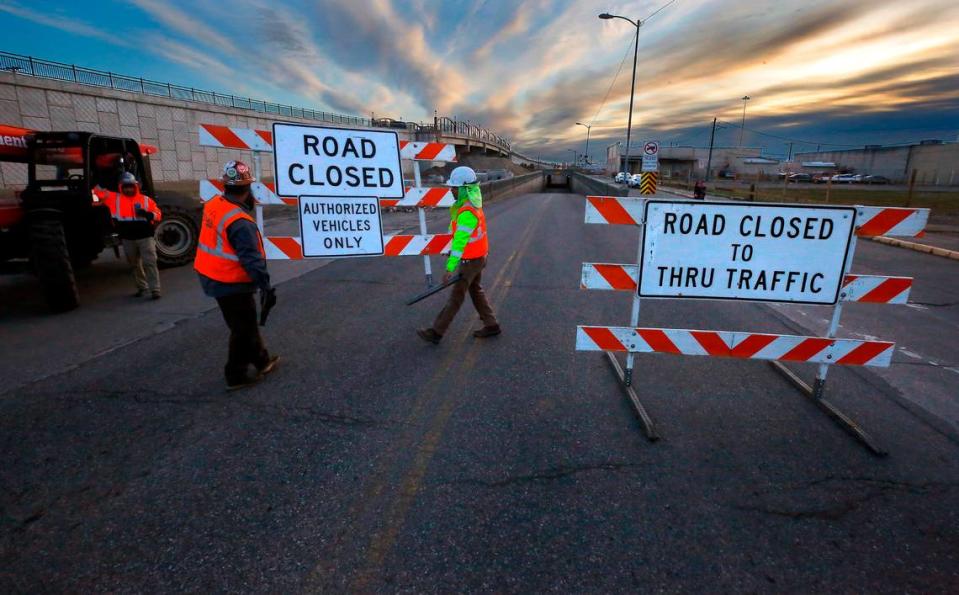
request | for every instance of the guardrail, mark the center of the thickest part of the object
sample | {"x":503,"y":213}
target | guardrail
{"x":26,"y":65}
{"x":47,"y":69}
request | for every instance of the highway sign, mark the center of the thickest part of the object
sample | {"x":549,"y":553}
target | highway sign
{"x":335,"y":227}
{"x":760,"y":252}
{"x":651,"y":156}
{"x":336,"y":162}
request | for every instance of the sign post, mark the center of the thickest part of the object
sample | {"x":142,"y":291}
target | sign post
{"x":651,"y":156}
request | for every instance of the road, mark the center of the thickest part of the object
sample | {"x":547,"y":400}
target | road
{"x":371,"y":461}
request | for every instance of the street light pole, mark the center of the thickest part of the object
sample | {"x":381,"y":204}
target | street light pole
{"x":586,"y":154}
{"x":709,"y":160}
{"x":632,"y":89}
{"x":742,"y":126}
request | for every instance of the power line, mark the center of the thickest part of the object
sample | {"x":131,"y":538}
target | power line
{"x":658,"y":10}
{"x":613,"y":82}
{"x":786,"y":138}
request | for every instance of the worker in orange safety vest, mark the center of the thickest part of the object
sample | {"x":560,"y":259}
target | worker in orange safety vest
{"x":135,"y":216}
{"x":231,"y":264}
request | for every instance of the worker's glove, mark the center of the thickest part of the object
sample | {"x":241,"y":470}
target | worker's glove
{"x":267,"y":301}
{"x":447,"y":276}
{"x":141,"y":213}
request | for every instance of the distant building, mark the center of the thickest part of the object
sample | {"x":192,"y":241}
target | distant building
{"x":689,"y":163}
{"x":936,"y":162}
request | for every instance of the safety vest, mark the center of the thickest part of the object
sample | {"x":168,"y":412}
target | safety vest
{"x":124,"y":208}
{"x":478,"y":245}
{"x":215,"y":257}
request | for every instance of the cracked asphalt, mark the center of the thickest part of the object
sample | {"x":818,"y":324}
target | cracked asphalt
{"x":372,"y":462}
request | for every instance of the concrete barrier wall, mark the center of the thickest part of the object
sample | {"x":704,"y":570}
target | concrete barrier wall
{"x":587,"y":186}
{"x":515,"y":186}
{"x":169,"y":124}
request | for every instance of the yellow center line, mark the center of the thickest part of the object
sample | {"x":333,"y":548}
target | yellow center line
{"x":383,"y":541}
{"x":436,"y":387}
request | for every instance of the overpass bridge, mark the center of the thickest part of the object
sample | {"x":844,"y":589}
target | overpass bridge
{"x":46,"y":95}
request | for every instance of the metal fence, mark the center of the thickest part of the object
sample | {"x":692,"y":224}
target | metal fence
{"x":26,"y":65}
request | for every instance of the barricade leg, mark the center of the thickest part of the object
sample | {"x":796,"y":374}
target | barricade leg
{"x":634,"y":314}
{"x":427,"y":266}
{"x":257,"y":173}
{"x":818,"y":390}
{"x":644,"y":418}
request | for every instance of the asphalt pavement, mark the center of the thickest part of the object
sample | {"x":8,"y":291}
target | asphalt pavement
{"x":371,"y":461}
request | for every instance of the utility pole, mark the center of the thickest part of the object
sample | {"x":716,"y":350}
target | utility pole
{"x":586,"y":154}
{"x":742,"y":126}
{"x":790,"y":158}
{"x":709,"y":160}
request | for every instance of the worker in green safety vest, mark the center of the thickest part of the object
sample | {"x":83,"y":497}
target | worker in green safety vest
{"x":468,"y":255}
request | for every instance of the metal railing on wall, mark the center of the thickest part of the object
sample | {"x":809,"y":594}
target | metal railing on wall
{"x":47,"y":69}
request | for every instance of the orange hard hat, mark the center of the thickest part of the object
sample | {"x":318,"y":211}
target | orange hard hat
{"x":237,"y":173}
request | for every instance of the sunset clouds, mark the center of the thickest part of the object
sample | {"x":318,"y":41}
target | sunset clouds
{"x":840,"y":71}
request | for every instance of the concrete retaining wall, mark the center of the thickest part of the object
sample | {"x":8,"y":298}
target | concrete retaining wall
{"x":169,"y":124}
{"x":587,"y":186}
{"x":515,"y":186}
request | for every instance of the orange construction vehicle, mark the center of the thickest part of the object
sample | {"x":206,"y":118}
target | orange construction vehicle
{"x":58,"y":223}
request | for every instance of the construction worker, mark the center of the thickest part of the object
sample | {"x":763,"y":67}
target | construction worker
{"x":135,"y":215}
{"x":467,"y":254}
{"x":231,"y":264}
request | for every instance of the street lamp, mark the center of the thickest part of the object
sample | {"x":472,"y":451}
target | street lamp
{"x":632,"y":89}
{"x":586,"y":155}
{"x":742,"y":126}
{"x":573,"y":151}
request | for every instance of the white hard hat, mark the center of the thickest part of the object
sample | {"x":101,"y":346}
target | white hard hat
{"x":462,"y":176}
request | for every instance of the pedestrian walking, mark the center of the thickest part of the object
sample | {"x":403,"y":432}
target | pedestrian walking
{"x":135,"y":216}
{"x":231,"y":264}
{"x":468,"y":254}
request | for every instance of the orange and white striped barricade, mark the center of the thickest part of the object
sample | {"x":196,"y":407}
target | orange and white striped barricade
{"x":684,"y":243}
{"x":416,"y":196}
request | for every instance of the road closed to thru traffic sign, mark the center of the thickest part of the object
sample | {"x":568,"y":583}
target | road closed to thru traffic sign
{"x":334,"y":227}
{"x":312,"y":160}
{"x":757,"y":252}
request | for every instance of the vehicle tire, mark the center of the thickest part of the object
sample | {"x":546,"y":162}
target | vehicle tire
{"x":176,"y":237}
{"x":51,"y":259}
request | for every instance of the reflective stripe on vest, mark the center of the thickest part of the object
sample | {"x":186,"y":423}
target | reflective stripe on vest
{"x":215,"y":257}
{"x":478,"y":244}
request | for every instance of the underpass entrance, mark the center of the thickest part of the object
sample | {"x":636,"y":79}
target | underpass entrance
{"x":556,"y":179}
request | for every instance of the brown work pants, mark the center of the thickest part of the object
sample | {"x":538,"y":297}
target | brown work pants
{"x":472,"y":271}
{"x":246,"y":345}
{"x":142,"y":256}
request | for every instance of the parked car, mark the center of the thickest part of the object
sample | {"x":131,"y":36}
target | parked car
{"x":620,"y":177}
{"x":821,"y":178}
{"x":635,"y":180}
{"x":800,"y":177}
{"x":876,"y":180}
{"x":846,"y":179}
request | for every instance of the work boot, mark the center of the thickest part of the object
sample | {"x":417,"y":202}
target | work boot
{"x":244,"y":381}
{"x":155,"y":295}
{"x":429,"y":335}
{"x":270,"y":365}
{"x":487,"y":331}
{"x":139,"y":293}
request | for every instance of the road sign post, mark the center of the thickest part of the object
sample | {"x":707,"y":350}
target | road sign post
{"x":749,"y":252}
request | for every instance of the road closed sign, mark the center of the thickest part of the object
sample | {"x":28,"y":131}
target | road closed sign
{"x":336,"y":162}
{"x":756,"y":252}
{"x":336,"y":227}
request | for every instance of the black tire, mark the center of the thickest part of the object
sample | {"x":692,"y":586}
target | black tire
{"x":51,"y":259}
{"x":176,"y":237}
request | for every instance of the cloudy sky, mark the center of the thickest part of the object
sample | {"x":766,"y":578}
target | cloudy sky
{"x":830,"y":72}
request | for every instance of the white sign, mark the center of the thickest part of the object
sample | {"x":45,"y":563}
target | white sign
{"x":759,"y":252}
{"x":333,"y":226}
{"x":312,"y":160}
{"x":651,"y":155}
